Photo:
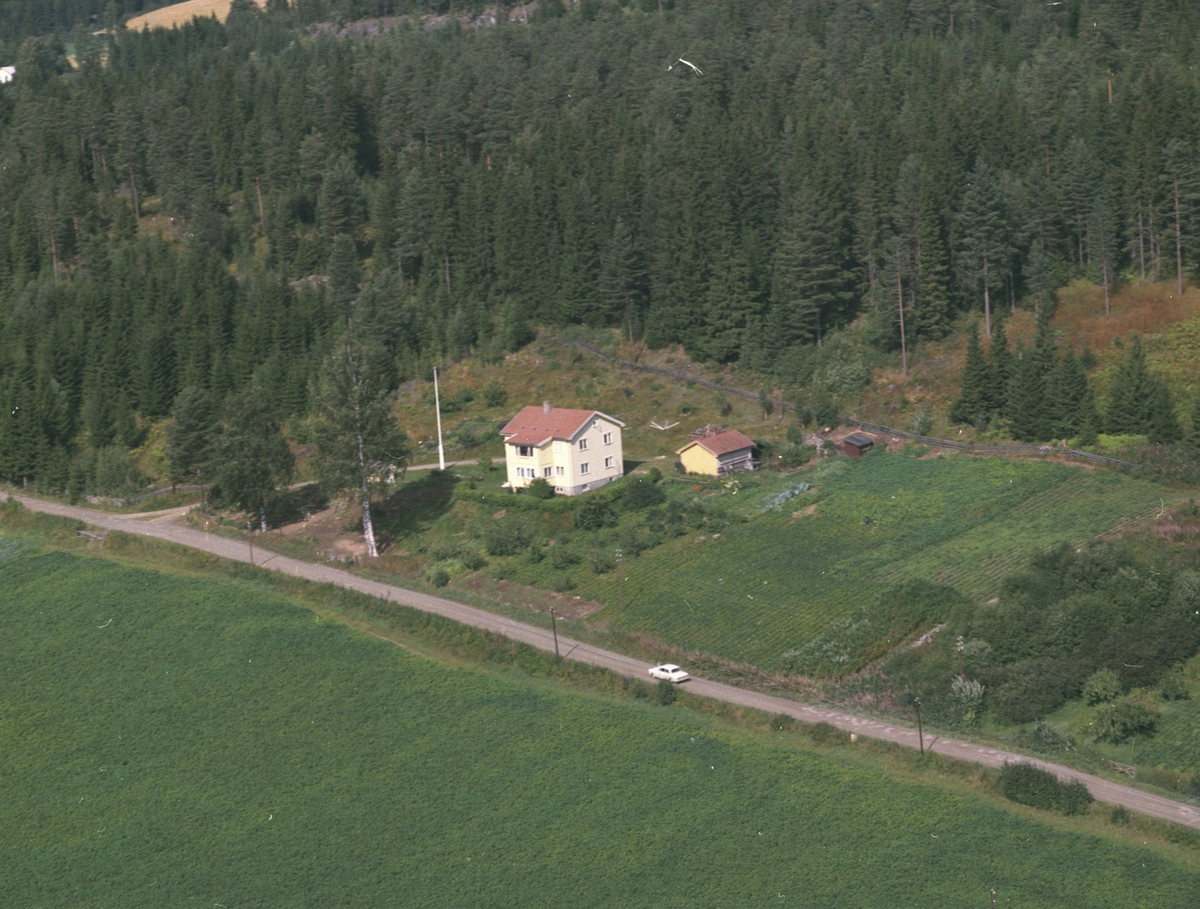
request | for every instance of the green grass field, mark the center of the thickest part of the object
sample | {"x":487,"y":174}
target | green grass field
{"x":172,"y":740}
{"x":785,"y":577}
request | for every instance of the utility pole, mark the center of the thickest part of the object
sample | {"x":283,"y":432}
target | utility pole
{"x":554,"y":627}
{"x":993,"y":898}
{"x":920,"y":733}
{"x":437,"y":406}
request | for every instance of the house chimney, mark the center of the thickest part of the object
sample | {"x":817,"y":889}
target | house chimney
{"x":546,"y":407}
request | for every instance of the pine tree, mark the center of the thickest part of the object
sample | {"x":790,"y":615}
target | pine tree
{"x":972,"y":404}
{"x":344,"y":275}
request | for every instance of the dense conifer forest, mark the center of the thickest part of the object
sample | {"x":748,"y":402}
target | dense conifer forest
{"x":209,"y":208}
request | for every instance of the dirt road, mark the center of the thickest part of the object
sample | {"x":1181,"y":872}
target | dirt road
{"x":152,"y":526}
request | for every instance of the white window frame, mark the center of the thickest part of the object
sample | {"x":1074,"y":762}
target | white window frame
{"x":608,"y":438}
{"x":524,"y":451}
{"x":583,"y":444}
{"x":585,"y":468}
{"x":546,"y":471}
{"x":560,"y":471}
{"x":610,"y":461}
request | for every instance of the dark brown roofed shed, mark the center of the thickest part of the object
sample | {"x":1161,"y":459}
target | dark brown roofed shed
{"x":856,"y":443}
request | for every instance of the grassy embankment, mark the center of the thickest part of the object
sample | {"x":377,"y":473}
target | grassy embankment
{"x":170,"y":737}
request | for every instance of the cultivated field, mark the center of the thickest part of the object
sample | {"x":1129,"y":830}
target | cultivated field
{"x":183,"y":13}
{"x":789,"y":574}
{"x":172,"y":740}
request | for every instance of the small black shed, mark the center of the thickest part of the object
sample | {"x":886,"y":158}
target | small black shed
{"x":856,"y":443}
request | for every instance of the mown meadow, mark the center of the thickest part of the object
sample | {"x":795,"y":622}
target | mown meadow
{"x":174,"y":740}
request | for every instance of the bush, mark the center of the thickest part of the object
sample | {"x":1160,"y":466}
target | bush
{"x":1035,"y":688}
{"x":641,"y":492}
{"x":506,"y":541}
{"x":1124,"y":718}
{"x":472,"y":560}
{"x":439,"y":577}
{"x":1029,"y":785}
{"x":495,"y":395}
{"x":665,"y":693}
{"x":540,"y":489}
{"x":827,"y":734}
{"x":1049,"y":738}
{"x":1119,"y":816}
{"x":1173,"y":686}
{"x":923,"y":421}
{"x":1102,"y":687}
{"x":595,"y":512}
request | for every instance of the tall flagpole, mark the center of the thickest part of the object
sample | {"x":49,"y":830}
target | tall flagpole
{"x":437,"y":406}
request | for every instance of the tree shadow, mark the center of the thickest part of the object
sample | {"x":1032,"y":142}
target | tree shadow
{"x":299,"y":504}
{"x":416,"y":505}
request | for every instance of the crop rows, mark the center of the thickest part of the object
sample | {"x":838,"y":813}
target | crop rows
{"x":186,"y":741}
{"x":783,"y":578}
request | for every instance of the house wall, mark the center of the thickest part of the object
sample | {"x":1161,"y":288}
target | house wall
{"x":698,"y":460}
{"x":735,"y":460}
{"x":571,"y":458}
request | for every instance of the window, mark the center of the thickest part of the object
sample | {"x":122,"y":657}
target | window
{"x":585,"y":467}
{"x":546,"y":471}
{"x":608,"y":438}
{"x":610,"y":461}
{"x":524,"y":451}
{"x":583,"y":444}
{"x":560,"y":471}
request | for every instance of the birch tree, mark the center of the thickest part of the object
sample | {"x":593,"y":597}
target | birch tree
{"x":359,"y":444}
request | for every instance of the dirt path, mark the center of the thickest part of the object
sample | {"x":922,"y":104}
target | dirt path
{"x":1103,"y":790}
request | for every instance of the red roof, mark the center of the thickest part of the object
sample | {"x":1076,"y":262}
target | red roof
{"x":722,"y":443}
{"x":533,"y":426}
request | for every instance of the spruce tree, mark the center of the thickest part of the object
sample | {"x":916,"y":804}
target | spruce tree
{"x":1164,"y":425}
{"x":1191,"y":434}
{"x":1070,"y":397}
{"x":189,"y":435}
{"x":972,"y":404}
{"x":932,"y":311}
{"x":1131,"y":397}
{"x":984,"y":236}
{"x":1000,"y":371}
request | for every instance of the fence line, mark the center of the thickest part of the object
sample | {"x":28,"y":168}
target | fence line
{"x":969,"y":447}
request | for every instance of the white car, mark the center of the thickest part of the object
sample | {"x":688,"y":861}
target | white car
{"x":669,"y":672}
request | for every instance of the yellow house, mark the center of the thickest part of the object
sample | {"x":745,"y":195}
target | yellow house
{"x":718,"y":455}
{"x":572,"y":450}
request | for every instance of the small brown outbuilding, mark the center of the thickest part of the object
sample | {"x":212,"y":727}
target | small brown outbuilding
{"x":855,"y":444}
